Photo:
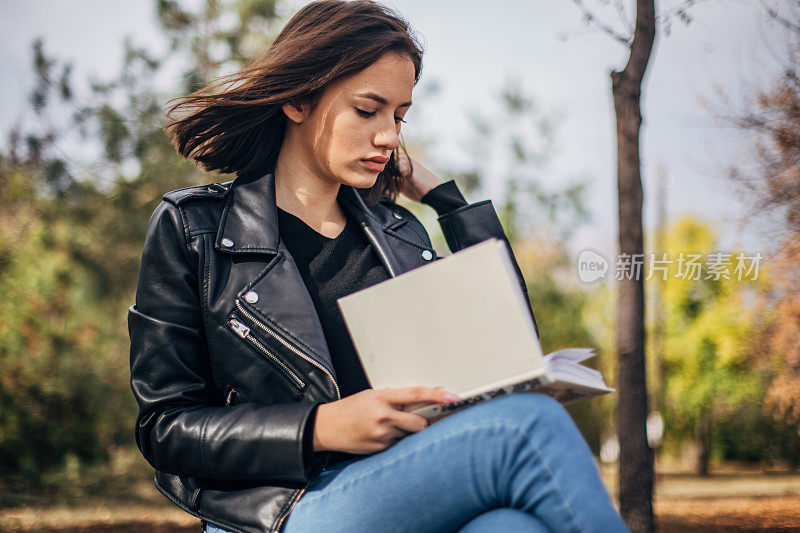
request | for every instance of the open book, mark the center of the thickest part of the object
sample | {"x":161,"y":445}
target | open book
{"x":462,"y":324}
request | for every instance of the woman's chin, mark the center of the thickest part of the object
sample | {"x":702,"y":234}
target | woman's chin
{"x":360,"y":180}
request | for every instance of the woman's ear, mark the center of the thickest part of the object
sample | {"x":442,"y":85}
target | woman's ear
{"x":296,"y":112}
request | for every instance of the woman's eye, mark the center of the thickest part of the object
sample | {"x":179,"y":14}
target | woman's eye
{"x":369,"y":114}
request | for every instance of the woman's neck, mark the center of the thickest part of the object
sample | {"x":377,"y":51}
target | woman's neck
{"x":300,"y":191}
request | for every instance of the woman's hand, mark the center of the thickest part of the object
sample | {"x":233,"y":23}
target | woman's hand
{"x":372,"y":420}
{"x":418,"y":183}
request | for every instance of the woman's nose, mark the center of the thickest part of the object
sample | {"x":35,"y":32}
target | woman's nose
{"x":387,"y":136}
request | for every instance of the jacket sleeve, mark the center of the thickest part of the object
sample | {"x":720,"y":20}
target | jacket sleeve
{"x":464,"y":224}
{"x":182,"y":427}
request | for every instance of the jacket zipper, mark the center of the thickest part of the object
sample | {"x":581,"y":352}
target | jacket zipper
{"x":244,"y":332}
{"x":300,"y":354}
{"x":295,"y":499}
{"x":284,"y":342}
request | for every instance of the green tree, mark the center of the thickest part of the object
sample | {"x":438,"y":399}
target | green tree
{"x":514,"y":147}
{"x":708,"y":331}
{"x":73,"y":228}
{"x":63,"y":391}
{"x":561,"y":313}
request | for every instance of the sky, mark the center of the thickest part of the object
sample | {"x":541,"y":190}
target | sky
{"x":471,"y":48}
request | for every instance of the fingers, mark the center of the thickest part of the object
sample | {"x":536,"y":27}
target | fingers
{"x":409,"y":422}
{"x":403,"y":163}
{"x":408,"y":395}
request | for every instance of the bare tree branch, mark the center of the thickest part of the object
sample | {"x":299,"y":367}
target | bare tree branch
{"x":623,"y":15}
{"x":789,"y":24}
{"x":590,"y":18}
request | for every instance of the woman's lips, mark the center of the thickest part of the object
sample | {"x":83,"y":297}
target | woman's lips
{"x":372,"y":165}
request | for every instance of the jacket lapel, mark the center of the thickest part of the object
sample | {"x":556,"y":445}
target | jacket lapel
{"x":276,"y":294}
{"x":373,"y":229}
{"x":397,"y":252}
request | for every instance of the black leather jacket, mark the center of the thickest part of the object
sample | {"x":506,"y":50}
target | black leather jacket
{"x":228,"y":357}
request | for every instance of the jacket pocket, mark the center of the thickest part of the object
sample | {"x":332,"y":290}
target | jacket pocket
{"x":269,"y":351}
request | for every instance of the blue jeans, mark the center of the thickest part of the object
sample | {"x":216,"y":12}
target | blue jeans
{"x":516,"y":463}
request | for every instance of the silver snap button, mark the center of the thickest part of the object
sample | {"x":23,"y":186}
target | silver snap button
{"x":251,"y":297}
{"x":427,"y":255}
{"x":396,"y":215}
{"x":227,"y":243}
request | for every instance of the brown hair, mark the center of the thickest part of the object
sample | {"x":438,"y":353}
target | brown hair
{"x":236,"y":124}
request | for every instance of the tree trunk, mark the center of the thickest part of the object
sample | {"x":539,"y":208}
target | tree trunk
{"x":636,"y":461}
{"x":703,"y":436}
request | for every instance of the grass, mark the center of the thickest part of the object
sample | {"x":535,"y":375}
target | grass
{"x":121,"y":498}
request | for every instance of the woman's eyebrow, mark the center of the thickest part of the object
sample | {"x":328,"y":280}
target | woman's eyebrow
{"x":381,"y":100}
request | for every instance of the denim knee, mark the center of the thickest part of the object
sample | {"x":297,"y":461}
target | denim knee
{"x":504,"y":519}
{"x":526,"y":410}
{"x":527,"y":405}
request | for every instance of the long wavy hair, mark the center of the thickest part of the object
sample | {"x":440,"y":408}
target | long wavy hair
{"x":235,"y":125}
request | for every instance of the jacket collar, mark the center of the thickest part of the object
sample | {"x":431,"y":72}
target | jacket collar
{"x":249,"y":222}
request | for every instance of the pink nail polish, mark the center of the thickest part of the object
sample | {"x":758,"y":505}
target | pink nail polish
{"x":450,"y":397}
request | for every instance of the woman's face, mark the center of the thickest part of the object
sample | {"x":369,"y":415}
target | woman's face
{"x":357,"y":118}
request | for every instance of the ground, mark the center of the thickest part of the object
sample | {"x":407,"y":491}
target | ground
{"x":732,"y":499}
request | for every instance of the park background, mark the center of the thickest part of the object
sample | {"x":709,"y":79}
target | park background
{"x":515,"y":104}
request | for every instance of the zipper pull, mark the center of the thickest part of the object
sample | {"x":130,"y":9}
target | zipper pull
{"x":240,"y":329}
{"x":230,"y":397}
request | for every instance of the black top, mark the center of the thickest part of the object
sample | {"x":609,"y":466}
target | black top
{"x":332,"y":268}
{"x":335,"y":267}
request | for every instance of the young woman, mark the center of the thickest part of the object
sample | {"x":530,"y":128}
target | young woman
{"x":254,"y":409}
